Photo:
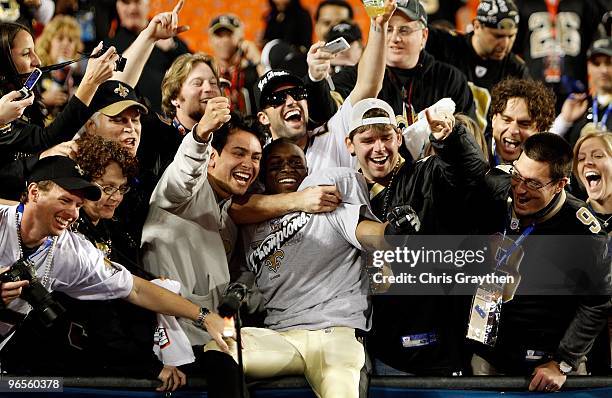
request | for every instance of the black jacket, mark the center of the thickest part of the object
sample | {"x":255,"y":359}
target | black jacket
{"x":26,"y":138}
{"x":562,"y":327}
{"x":420,"y":86}
{"x":445,"y":47}
{"x":438,"y":188}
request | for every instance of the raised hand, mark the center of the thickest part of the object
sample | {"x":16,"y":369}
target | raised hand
{"x":574,"y":107}
{"x":216,"y":114}
{"x":440,"y":123}
{"x":319,"y":62}
{"x":390,"y":6}
{"x":100,"y":69}
{"x":165,"y":24}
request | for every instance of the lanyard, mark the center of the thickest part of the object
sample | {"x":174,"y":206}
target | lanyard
{"x":180,"y":127}
{"x":515,"y":245}
{"x":604,"y":118}
{"x":43,"y":247}
{"x":496,"y":159}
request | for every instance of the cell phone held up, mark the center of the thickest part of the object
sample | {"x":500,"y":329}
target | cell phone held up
{"x":335,"y":46}
{"x":119,"y":65}
{"x":29,"y":85}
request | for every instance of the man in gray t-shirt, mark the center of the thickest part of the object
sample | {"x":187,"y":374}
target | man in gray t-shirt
{"x":307,"y":267}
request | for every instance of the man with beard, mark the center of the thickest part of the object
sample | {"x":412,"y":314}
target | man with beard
{"x":563,"y":297}
{"x":486,"y":52}
{"x":519,"y":109}
{"x":436,"y":188}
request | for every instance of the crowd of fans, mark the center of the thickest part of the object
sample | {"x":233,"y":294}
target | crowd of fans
{"x":273,"y":166}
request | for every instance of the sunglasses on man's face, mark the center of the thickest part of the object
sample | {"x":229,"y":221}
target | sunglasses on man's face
{"x":278,"y":98}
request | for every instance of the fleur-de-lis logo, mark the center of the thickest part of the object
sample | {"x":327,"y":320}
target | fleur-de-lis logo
{"x":122,"y":91}
{"x":80,"y":170}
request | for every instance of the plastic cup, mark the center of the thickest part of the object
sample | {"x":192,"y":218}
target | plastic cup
{"x":374,"y":8}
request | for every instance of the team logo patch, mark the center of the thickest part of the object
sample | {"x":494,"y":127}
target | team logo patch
{"x":480,"y":71}
{"x":269,"y":251}
{"x":121,"y":91}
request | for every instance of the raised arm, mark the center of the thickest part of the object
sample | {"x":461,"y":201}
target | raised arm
{"x":190,"y":164}
{"x":371,"y":68}
{"x":163,"y":26}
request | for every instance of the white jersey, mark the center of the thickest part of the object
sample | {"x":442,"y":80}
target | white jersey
{"x":78,"y":268}
{"x":326,"y":145}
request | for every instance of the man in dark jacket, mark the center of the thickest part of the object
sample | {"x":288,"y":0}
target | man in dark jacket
{"x":413,"y":78}
{"x":434,"y":188}
{"x":546,"y":334}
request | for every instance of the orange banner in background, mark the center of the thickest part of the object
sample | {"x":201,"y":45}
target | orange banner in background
{"x":198,"y":14}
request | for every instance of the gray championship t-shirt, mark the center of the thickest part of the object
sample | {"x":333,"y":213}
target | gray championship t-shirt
{"x":308,"y":266}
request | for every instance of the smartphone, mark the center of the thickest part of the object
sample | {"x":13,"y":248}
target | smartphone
{"x":29,"y":84}
{"x":336,"y":46}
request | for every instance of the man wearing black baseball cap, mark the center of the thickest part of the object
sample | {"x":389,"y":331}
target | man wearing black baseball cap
{"x":37,"y":230}
{"x":486,"y":56}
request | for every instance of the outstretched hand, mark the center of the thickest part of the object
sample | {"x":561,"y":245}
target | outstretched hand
{"x":166,"y":24}
{"x":319,"y":61}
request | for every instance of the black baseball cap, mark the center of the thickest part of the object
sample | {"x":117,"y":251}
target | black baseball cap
{"x":224,"y":21}
{"x":601,"y":46}
{"x":270,"y":81}
{"x":413,"y":10}
{"x":66,"y":173}
{"x":498,"y":14}
{"x":113,"y":97}
{"x":349,"y":31}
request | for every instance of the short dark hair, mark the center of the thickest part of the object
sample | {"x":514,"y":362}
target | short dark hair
{"x":339,"y":3}
{"x":248,"y":123}
{"x":552,"y":149}
{"x":266,"y":154}
{"x":96,"y":153}
{"x":540,"y":99}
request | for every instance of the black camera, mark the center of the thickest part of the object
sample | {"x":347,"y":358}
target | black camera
{"x":44,"y":307}
{"x":119,"y":65}
{"x":234,"y":296}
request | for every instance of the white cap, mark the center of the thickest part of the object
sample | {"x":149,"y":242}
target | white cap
{"x":363,"y":106}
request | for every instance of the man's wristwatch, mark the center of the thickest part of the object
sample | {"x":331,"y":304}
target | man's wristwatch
{"x":565,"y":367}
{"x":199,"y":322}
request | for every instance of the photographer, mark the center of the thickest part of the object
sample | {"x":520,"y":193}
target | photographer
{"x":36,"y":230}
{"x":28,"y":134}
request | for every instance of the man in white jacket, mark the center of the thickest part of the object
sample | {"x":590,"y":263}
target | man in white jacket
{"x":188,"y":235}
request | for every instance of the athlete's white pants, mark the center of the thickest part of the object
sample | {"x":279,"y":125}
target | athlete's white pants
{"x":331,"y":359}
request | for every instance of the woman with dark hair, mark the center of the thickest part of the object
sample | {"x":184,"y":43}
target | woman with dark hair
{"x":28,"y":135}
{"x":290,"y":22}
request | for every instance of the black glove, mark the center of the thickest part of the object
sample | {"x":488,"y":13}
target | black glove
{"x":403,"y":220}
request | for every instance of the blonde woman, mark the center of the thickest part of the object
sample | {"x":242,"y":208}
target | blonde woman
{"x":60,"y":41}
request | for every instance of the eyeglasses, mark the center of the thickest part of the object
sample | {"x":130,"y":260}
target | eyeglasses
{"x":529,"y":183}
{"x":110,"y":190}
{"x":280,"y":97}
{"x":403,"y":31}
